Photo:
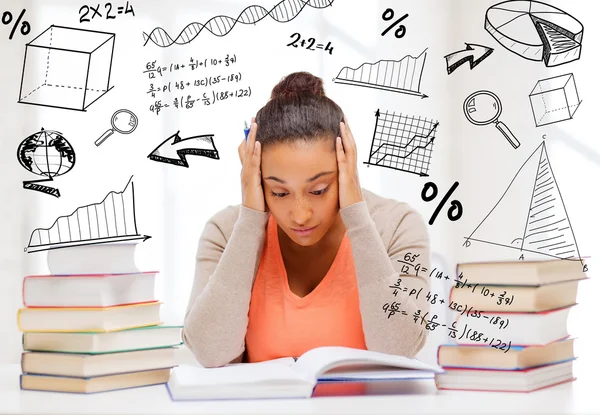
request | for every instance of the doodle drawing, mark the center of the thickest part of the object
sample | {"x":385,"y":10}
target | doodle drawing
{"x":111,"y":220}
{"x":48,"y":154}
{"x":402,"y":142}
{"x":474,"y":54}
{"x":282,"y":12}
{"x":174,"y":149}
{"x":535,"y":31}
{"x":67,"y":68}
{"x":540,"y":227}
{"x":454,"y":212}
{"x":483,"y":108}
{"x":402,"y":76}
{"x":554,"y":99}
{"x":122,"y":121}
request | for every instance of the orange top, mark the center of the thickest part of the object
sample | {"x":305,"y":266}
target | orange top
{"x":282,"y":324}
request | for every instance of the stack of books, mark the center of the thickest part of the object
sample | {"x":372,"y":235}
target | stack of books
{"x":93,"y":324}
{"x":511,"y":326}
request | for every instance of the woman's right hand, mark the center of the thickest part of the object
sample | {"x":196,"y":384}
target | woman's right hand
{"x":250,"y":156}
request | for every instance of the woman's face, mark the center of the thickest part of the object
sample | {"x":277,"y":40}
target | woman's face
{"x":300,"y":181}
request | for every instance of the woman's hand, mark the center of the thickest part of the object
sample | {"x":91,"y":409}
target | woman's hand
{"x":349,"y":186}
{"x":250,"y":156}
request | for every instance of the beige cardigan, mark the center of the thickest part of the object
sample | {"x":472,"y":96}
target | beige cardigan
{"x":381,"y":232}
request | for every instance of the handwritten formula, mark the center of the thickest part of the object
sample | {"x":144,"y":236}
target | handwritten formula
{"x":412,"y":266}
{"x":200,"y":87}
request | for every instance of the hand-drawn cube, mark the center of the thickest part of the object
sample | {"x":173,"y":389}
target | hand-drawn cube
{"x":554,"y":99}
{"x":67,"y":68}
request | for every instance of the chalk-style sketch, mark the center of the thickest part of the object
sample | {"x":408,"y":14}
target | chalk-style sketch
{"x":402,"y":142}
{"x":388,"y":15}
{"x":67,"y":68}
{"x":122,"y":121}
{"x":283,"y":12}
{"x":474,"y":54}
{"x":48,"y":154}
{"x":535,"y":31}
{"x":174,"y":149}
{"x":541,"y":227}
{"x":111,"y":220}
{"x":483,"y":108}
{"x":454,"y":212}
{"x":402,"y":76}
{"x":554,"y":99}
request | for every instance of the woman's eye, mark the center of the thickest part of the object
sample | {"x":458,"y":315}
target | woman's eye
{"x":278,"y":194}
{"x":320,"y":192}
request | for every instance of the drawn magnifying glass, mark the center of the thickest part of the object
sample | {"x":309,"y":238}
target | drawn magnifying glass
{"x":123,"y":121}
{"x":483,"y":108}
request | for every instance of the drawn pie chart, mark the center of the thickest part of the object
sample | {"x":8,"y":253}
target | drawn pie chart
{"x":535,"y":31}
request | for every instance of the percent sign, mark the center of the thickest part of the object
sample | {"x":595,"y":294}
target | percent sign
{"x":455,"y":211}
{"x":25,"y":27}
{"x":389,"y":15}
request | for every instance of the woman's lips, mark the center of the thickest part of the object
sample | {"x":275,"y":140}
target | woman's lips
{"x":304,"y":232}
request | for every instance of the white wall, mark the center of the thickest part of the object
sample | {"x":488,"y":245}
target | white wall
{"x":173,"y":203}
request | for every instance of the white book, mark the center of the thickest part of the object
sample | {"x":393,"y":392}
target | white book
{"x":90,"y":365}
{"x":88,"y":319}
{"x":499,"y":329}
{"x":148,"y":337}
{"x":286,"y":378}
{"x":110,"y":258}
{"x":523,"y":380}
{"x":93,"y":290}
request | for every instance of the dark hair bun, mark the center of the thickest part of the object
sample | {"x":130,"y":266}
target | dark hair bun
{"x":298,"y":83}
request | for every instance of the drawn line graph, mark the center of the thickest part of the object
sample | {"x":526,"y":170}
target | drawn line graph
{"x":283,"y":12}
{"x":402,"y":142}
{"x":403,"y":76}
{"x":111,"y":220}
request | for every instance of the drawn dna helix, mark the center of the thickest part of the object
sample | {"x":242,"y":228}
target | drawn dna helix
{"x":283,"y":12}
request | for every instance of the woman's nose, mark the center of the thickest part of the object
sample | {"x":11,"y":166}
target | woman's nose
{"x":301,"y":212}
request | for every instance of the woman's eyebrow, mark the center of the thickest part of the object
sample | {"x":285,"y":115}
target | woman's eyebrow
{"x":312,"y":179}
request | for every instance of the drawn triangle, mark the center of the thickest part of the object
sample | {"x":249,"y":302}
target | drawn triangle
{"x":548,"y":230}
{"x":530,"y":215}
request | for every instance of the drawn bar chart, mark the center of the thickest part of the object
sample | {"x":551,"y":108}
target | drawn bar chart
{"x":402,"y":76}
{"x":402,"y":142}
{"x":111,"y":220}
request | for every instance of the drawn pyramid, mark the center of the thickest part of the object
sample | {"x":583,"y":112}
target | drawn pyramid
{"x":531,"y":216}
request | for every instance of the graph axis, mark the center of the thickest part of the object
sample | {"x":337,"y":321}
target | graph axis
{"x":417,"y":159}
{"x":131,"y":231}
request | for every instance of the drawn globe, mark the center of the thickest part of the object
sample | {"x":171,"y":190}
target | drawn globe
{"x":46,"y":153}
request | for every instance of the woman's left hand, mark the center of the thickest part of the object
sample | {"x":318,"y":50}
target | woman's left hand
{"x":349,"y":186}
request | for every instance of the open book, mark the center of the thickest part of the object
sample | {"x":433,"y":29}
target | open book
{"x":290,"y":378}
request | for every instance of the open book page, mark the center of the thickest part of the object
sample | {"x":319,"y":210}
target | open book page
{"x":318,"y":361}
{"x":238,"y":374}
{"x":288,"y":361}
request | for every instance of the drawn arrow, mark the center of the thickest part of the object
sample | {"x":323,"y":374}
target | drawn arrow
{"x":174,"y":149}
{"x":474,"y":54}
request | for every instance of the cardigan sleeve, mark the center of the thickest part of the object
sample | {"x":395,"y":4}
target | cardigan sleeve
{"x":403,"y":263}
{"x":216,"y":319}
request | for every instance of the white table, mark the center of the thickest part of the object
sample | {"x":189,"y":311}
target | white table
{"x":579,"y":397}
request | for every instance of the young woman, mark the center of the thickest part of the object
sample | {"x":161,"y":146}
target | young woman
{"x":309,"y":258}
